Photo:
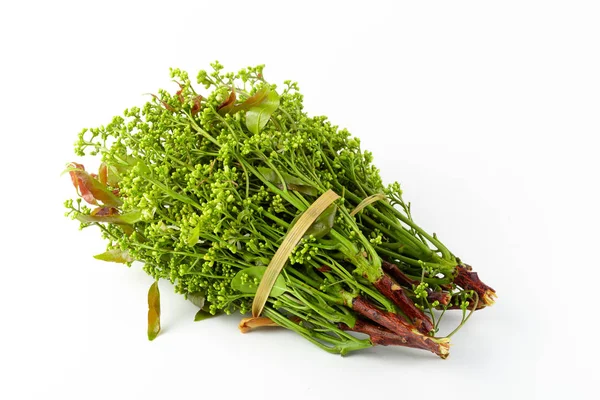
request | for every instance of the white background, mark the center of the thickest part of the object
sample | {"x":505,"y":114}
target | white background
{"x":486,"y":112}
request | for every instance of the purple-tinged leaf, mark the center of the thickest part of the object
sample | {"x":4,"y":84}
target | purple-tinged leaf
{"x":228,"y":104}
{"x":91,"y":189}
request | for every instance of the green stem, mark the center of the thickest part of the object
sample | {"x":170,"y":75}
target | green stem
{"x":442,"y":265}
{"x":424,"y":250}
{"x":445,"y":252}
{"x":272,"y":217}
{"x":283,"y":193}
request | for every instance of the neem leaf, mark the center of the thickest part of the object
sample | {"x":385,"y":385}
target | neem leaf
{"x":179,"y":92}
{"x":115,"y":255}
{"x":323,"y":223}
{"x":196,"y":107}
{"x":164,"y":103}
{"x":153,"y":311}
{"x":194,"y":235}
{"x":103,"y":173}
{"x":111,"y":175}
{"x":228,"y":104}
{"x":104,"y":211}
{"x":244,"y":281}
{"x":90,"y":188}
{"x":257,"y":98}
{"x":306,"y":189}
{"x":258,"y":116}
{"x":131,"y":217}
{"x":252,"y":101}
{"x":127,"y":218}
{"x":197,"y":298}
{"x":291,"y":182}
{"x":82,"y":189}
{"x":202,"y":315}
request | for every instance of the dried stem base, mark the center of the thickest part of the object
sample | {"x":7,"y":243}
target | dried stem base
{"x":469,"y":280}
{"x":390,"y":289}
{"x":406,"y":333}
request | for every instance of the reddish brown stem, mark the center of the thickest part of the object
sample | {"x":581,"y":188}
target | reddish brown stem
{"x":409,"y":336}
{"x":441,"y":297}
{"x":403,"y":279}
{"x":379,"y":335}
{"x":397,"y":274}
{"x":469,"y":280}
{"x":390,"y":289}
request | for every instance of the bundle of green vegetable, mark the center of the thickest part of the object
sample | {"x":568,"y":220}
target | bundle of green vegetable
{"x":244,"y":202}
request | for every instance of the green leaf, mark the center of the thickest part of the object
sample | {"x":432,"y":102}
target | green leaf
{"x":202,"y":315}
{"x":123,"y":162}
{"x":258,"y":116}
{"x":115,"y":255}
{"x":127,"y":218}
{"x":197,"y":298}
{"x":323,"y":223}
{"x":131,"y":217}
{"x":153,"y":311}
{"x":243,"y":281}
{"x":252,"y":101}
{"x":193,"y":236}
{"x":306,"y":189}
{"x":291,"y":182}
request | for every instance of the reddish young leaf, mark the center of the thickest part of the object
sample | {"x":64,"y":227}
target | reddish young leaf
{"x":103,"y":174}
{"x":179,"y":93}
{"x":74,"y":180}
{"x":82,"y":190}
{"x":91,"y":189}
{"x":252,"y":101}
{"x":196,"y":107}
{"x":165,"y":104}
{"x":104,"y":211}
{"x":228,"y":104}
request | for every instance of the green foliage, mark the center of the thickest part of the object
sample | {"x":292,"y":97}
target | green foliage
{"x":258,"y":116}
{"x":247,"y":280}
